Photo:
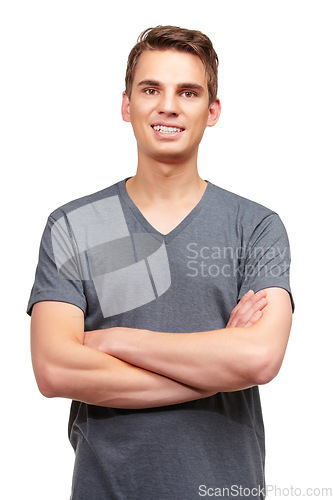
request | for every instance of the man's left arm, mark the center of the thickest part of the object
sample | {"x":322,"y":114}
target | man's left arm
{"x":225,"y":360}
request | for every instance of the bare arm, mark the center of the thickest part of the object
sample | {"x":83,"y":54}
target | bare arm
{"x":230,"y":359}
{"x":64,"y":367}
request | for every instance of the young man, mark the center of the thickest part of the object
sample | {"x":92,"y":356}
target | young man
{"x":162,"y":302}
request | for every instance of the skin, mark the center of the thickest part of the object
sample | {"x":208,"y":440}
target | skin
{"x":131,"y":368}
{"x":72,"y":364}
{"x":169,"y":88}
{"x":229,"y":359}
{"x":167,"y":185}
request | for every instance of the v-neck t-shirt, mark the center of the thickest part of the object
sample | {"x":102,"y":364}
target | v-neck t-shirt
{"x":101,"y":254}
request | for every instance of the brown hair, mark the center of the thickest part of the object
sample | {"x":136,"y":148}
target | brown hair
{"x":184,"y":40}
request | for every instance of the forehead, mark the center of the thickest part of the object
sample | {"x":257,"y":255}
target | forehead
{"x":170,"y":66}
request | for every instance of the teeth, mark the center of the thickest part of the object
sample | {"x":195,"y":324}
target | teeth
{"x":166,"y":130}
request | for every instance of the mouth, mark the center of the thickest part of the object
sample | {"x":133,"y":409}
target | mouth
{"x":167,"y":130}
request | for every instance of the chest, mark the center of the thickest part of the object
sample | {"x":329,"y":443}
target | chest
{"x":167,"y":217}
{"x":189,"y":283}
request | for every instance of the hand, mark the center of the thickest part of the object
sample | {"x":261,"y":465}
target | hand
{"x":108,"y":339}
{"x":248,"y":310}
{"x":101,"y":340}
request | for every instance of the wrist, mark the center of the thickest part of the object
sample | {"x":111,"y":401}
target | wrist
{"x":126,"y":341}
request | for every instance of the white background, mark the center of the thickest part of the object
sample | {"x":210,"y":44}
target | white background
{"x":63,"y":65}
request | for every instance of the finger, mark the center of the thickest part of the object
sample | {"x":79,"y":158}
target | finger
{"x":245,"y":298}
{"x":249,"y":299}
{"x":242,"y":312}
{"x":242,"y":315}
{"x":253,"y":314}
{"x":253,"y":320}
{"x":239,"y":307}
{"x":254,"y":303}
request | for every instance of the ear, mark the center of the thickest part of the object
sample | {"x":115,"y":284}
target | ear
{"x":214,"y":112}
{"x":125,"y":108}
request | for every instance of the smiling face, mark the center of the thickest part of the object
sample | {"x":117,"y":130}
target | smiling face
{"x":169,"y":106}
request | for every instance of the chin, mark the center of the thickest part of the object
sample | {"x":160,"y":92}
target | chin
{"x":174,"y":157}
{"x":171,"y":154}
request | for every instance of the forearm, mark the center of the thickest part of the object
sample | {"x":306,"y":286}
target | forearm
{"x":219,"y":360}
{"x":65,"y":367}
{"x":224,"y":360}
{"x":99,"y":379}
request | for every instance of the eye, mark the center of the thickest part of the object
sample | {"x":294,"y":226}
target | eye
{"x":188,"y":94}
{"x":150,"y":91}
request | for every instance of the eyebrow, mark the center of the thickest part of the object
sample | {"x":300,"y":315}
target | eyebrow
{"x":192,"y":86}
{"x":150,"y":83}
{"x":180,"y":86}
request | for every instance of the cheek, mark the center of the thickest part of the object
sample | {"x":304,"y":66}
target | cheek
{"x":199,"y":116}
{"x":200,"y":124}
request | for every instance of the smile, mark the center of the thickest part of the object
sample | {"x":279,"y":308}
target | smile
{"x":166,"y":130}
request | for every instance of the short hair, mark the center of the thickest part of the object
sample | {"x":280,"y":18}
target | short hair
{"x":181,"y":39}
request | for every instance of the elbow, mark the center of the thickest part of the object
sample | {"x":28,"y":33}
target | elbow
{"x":47,"y":381}
{"x":46,"y":390}
{"x":266,"y":367}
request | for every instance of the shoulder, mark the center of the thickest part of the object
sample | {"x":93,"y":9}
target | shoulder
{"x":231,"y":202}
{"x":234,"y":207}
{"x":99,"y":200}
{"x":245,"y":218}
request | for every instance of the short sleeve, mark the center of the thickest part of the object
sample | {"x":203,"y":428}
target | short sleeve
{"x":266,"y":260}
{"x":54,"y":280}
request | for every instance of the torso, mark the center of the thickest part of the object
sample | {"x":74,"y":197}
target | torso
{"x":164,"y":216}
{"x":165,"y":219}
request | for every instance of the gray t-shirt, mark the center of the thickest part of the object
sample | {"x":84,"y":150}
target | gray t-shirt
{"x":101,"y":254}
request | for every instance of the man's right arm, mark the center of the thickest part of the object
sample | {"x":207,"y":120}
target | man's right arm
{"x":64,"y":367}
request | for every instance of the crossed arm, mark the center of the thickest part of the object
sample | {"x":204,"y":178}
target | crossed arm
{"x":129,"y":368}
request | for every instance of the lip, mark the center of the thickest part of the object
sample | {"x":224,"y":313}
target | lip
{"x":172,"y":125}
{"x":167,"y":135}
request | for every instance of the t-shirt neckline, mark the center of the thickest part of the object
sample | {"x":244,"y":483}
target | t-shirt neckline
{"x":146,"y":224}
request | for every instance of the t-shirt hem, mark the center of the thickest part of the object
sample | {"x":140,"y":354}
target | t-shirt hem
{"x":261,"y":286}
{"x":55,"y":297}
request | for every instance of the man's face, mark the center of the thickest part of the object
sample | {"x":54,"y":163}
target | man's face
{"x":169,"y":106}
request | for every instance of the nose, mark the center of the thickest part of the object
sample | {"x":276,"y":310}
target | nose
{"x":168,"y":104}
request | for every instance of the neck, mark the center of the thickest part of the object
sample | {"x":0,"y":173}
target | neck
{"x":159,"y":183}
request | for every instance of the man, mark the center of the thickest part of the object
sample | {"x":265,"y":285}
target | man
{"x":134,"y":306}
